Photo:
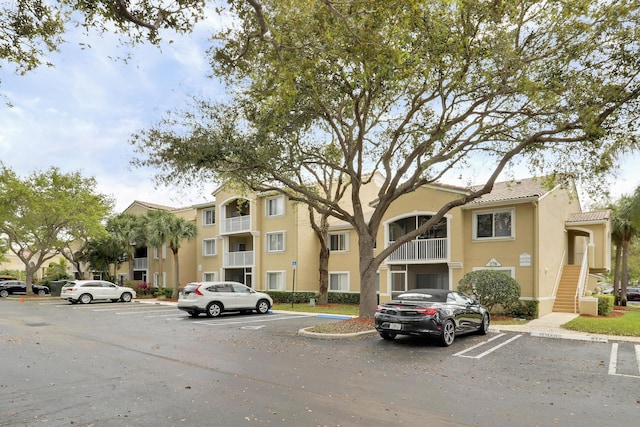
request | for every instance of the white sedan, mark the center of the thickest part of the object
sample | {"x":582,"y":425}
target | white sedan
{"x":85,"y":291}
{"x":212,"y":298}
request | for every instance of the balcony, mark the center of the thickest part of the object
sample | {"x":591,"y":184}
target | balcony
{"x":423,"y":250}
{"x":140,"y":263}
{"x":238,"y":259}
{"x":236,"y":224}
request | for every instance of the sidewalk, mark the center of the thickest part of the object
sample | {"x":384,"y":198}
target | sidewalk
{"x":550,"y":326}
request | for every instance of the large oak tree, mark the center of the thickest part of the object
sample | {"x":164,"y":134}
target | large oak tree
{"x":48,"y":212}
{"x":31,"y":29}
{"x":413,"y":89}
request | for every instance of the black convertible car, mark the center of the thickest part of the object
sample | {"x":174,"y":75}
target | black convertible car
{"x":436,"y":313}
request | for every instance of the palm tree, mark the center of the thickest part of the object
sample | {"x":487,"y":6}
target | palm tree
{"x":129,"y":231}
{"x":164,"y":227}
{"x":625,"y":226}
{"x":103,"y":253}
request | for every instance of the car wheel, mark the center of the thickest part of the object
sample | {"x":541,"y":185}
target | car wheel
{"x":484,"y":326}
{"x":4,"y":293}
{"x":126,"y":297}
{"x":448,"y":333}
{"x":41,"y":292}
{"x":214,"y":309}
{"x":263,"y":306}
{"x":389,"y":336}
{"x":85,"y":298}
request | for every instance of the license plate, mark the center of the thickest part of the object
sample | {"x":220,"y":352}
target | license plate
{"x":395,"y":326}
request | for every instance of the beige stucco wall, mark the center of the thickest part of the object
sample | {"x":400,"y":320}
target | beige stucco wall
{"x":425,"y":201}
{"x":554,"y":209}
{"x":504,"y":253}
{"x":209,"y":263}
{"x":165,"y":265}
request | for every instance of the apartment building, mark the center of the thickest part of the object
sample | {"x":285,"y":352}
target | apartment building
{"x":538,"y":235}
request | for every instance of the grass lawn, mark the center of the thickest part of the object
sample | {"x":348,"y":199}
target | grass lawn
{"x":624,"y":321}
{"x":344,"y":309}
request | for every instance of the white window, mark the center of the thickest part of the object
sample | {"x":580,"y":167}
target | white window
{"x":275,"y":242}
{"x":210,"y":277}
{"x":276,"y":280}
{"x":209,"y":247}
{"x":275,"y":206}
{"x":339,"y":282}
{"x":156,"y":252}
{"x":156,"y":280}
{"x":339,"y":242}
{"x":497,"y":224}
{"x":208,"y":217}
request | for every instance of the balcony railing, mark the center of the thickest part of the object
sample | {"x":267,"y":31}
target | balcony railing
{"x":421,"y":250}
{"x":238,"y":259}
{"x":140,"y":263}
{"x":237,"y":224}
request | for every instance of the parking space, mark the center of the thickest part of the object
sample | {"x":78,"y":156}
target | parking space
{"x":487,"y":347}
{"x":624,"y":357}
{"x":624,"y":360}
{"x":171,"y":313}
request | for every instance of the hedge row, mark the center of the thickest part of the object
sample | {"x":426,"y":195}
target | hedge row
{"x":285,"y":297}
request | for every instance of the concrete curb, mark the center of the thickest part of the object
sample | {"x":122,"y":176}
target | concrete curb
{"x":306,"y":333}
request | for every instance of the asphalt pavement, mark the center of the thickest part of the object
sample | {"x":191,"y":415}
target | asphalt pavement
{"x":547,"y":326}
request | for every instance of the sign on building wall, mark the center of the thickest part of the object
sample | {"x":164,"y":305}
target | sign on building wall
{"x":525,"y":260}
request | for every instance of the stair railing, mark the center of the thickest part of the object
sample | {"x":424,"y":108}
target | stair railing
{"x":559,"y":274}
{"x":584,"y":268}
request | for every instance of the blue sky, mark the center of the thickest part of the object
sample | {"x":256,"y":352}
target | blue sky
{"x":80,"y":114}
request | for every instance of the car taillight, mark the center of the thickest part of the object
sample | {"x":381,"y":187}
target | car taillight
{"x":197,"y":291}
{"x":428,"y":311}
{"x":379,"y":308}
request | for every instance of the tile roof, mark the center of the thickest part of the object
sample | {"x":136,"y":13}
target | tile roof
{"x":600,"y":215}
{"x":513,"y":190}
{"x":154,"y":205}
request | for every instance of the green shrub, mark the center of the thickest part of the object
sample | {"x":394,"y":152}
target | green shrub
{"x":524,"y":309}
{"x":284,"y":297}
{"x":163,"y":292}
{"x":491,"y":288}
{"x":605,"y":304}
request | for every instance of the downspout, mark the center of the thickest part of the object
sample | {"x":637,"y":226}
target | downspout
{"x":536,"y":252}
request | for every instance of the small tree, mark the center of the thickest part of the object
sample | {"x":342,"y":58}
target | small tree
{"x":491,"y":288}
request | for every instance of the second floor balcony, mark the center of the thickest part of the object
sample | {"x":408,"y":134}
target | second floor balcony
{"x":420,"y":250}
{"x":140,"y":263}
{"x":238,"y":259}
{"x":236,"y":224}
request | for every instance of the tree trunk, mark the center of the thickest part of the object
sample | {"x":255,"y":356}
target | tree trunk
{"x":323,"y":284}
{"x":131,"y":261}
{"x":176,"y":275}
{"x":368,"y":273}
{"x":616,"y":274}
{"x":625,"y":272}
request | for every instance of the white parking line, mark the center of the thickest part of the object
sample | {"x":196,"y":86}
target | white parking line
{"x":270,"y":319}
{"x":491,"y":350}
{"x":613,"y":361}
{"x":144,"y":310}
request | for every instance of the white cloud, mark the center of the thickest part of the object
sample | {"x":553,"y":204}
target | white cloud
{"x":80,"y":114}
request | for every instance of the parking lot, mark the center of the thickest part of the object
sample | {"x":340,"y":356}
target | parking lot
{"x":147,"y":364}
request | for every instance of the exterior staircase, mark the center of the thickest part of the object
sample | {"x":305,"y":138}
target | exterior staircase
{"x":567,"y":289}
